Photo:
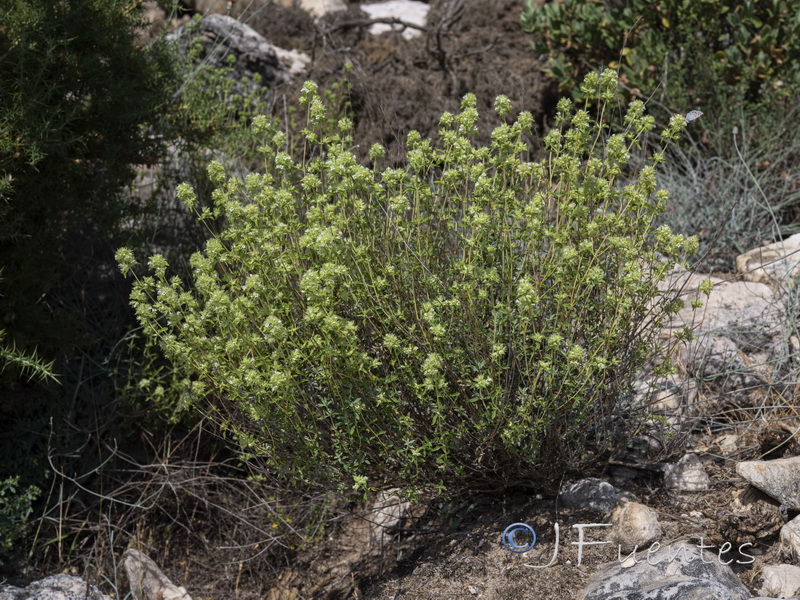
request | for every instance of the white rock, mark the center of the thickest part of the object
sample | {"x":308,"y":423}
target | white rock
{"x":727,"y":442}
{"x":633,"y":524}
{"x":671,"y":397}
{"x":147,"y":581}
{"x":317,"y":8}
{"x":409,"y":11}
{"x":55,"y":587}
{"x":774,"y":264}
{"x":738,"y":332}
{"x":734,"y":304}
{"x":780,"y":581}
{"x":296,"y":62}
{"x":628,"y":562}
{"x":223,"y":37}
{"x":687,"y":475}
{"x":790,"y":539}
{"x":778,"y":478}
{"x":386,"y":514}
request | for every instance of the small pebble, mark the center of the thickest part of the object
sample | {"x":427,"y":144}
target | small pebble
{"x":628,"y":562}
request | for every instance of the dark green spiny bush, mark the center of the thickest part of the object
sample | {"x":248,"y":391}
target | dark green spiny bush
{"x":77,"y":93}
{"x":473,"y":316}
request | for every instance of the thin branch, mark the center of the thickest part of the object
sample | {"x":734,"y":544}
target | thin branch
{"x":379,"y":21}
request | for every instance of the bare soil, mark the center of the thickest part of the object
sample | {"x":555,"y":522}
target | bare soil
{"x":466,"y":557}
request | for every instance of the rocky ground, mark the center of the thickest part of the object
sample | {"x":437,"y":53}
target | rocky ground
{"x":466,"y":558}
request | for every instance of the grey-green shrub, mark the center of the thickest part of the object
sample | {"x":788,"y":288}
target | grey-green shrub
{"x":473,"y":316}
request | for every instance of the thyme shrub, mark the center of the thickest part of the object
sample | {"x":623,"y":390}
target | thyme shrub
{"x":474,"y":316}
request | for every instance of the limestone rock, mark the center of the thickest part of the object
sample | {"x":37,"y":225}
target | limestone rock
{"x":730,"y":303}
{"x":780,"y":581}
{"x":294,"y":61}
{"x":790,"y":539}
{"x":317,"y":8}
{"x":633,"y":524}
{"x":687,"y":475}
{"x":727,"y":443}
{"x":671,"y":397}
{"x":774,"y":264}
{"x":675,"y":572}
{"x":387,"y":514}
{"x":222,"y":36}
{"x":147,"y":581}
{"x":408,"y":11}
{"x":779,"y":478}
{"x":738,"y":334}
{"x":718,"y":359}
{"x":592,"y":494}
{"x":55,"y":587}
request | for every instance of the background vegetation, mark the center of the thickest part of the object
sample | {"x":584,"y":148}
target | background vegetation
{"x":737,"y":62}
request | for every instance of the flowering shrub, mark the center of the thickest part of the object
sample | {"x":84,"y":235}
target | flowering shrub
{"x":473,"y":316}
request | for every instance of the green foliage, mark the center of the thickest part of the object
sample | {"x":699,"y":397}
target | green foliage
{"x":750,"y":45}
{"x":215,"y":109}
{"x":471,"y":316}
{"x":28,"y":363}
{"x":77,"y":94}
{"x":212,"y":118}
{"x":15,"y":508}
